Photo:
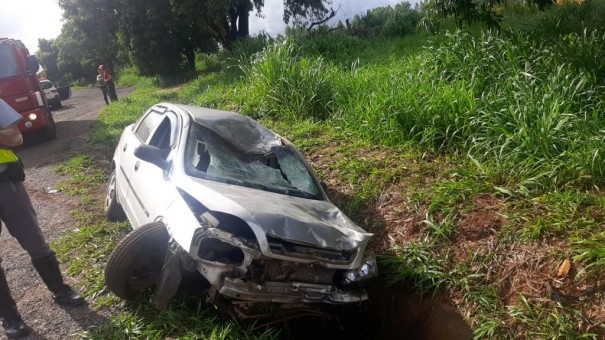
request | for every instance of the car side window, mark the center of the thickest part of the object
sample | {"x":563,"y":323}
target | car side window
{"x":148,"y":124}
{"x":161,"y":137}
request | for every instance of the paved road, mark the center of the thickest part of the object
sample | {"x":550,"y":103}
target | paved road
{"x":73,"y":121}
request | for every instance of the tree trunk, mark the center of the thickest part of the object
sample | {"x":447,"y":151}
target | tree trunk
{"x":233,"y":15}
{"x":243,"y":30}
{"x":190,"y":55}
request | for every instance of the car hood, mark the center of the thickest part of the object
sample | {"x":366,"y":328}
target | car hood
{"x":312,"y":222}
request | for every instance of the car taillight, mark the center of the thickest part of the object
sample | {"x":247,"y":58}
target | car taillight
{"x":53,"y":90}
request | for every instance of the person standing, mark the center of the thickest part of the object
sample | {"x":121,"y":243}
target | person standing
{"x":19,"y":217}
{"x":111,"y":87}
{"x":102,"y":85}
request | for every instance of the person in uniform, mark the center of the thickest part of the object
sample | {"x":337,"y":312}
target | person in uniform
{"x":19,"y":217}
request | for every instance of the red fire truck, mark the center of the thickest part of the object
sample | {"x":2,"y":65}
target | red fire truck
{"x":19,"y":87}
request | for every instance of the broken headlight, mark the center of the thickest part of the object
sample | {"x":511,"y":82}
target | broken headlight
{"x":367,"y":270}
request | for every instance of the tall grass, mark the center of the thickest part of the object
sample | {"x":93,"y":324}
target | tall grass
{"x":506,"y":101}
{"x":286,"y":85}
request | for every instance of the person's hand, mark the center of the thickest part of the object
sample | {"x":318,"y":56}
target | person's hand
{"x":11,"y":136}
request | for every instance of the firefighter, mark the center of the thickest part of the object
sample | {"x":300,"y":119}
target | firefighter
{"x":19,"y":217}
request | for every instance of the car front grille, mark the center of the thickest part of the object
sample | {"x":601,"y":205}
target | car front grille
{"x":283,"y":247}
{"x":287,"y":271}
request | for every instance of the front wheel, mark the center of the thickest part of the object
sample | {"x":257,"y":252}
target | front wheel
{"x":113,"y":208}
{"x":135,"y":265}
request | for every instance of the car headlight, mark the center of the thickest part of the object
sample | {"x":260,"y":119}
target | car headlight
{"x":367,"y":270}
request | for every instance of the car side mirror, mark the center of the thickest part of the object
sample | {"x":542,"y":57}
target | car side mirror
{"x":32,"y":65}
{"x":153,"y":155}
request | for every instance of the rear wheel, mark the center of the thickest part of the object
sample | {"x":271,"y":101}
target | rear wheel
{"x":135,"y":265}
{"x":113,"y":208}
{"x":58,"y":103}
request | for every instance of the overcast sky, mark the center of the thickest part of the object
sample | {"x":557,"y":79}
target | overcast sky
{"x":29,"y":20}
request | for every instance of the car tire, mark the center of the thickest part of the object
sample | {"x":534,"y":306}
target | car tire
{"x":113,"y":208}
{"x":135,"y":265}
{"x":58,"y":103}
{"x":50,"y":130}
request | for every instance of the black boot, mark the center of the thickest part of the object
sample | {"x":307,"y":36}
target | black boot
{"x":48,"y":268}
{"x":14,"y":327}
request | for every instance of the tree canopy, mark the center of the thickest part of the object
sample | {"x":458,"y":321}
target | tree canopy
{"x":158,"y":36}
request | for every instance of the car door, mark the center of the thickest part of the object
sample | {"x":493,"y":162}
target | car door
{"x":150,"y":184}
{"x":127,"y":166}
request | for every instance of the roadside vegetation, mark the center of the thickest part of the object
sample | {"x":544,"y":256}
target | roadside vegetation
{"x":475,"y":157}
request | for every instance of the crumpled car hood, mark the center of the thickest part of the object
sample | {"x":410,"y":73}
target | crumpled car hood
{"x":312,"y":222}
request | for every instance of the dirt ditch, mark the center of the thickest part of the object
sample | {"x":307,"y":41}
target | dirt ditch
{"x":393,"y":312}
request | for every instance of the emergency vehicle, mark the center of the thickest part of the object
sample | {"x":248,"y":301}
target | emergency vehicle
{"x":19,"y":87}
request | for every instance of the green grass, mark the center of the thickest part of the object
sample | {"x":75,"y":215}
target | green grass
{"x":441,"y":121}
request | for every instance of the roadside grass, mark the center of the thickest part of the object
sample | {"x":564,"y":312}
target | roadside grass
{"x":490,"y":147}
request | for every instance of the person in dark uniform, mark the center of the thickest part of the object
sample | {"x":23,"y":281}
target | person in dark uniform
{"x":19,"y":217}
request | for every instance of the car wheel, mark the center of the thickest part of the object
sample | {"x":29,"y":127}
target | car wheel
{"x":58,"y":103}
{"x":135,"y":265}
{"x":50,"y":130}
{"x":113,"y":208}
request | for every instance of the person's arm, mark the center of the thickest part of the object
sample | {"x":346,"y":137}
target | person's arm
{"x":11,"y":136}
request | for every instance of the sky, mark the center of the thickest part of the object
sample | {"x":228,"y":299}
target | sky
{"x":29,"y":20}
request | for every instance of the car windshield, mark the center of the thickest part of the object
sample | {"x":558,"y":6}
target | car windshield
{"x":45,"y":85}
{"x":208,"y":156}
{"x":8,"y":66}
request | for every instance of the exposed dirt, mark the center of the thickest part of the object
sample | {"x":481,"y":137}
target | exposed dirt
{"x":35,"y":304}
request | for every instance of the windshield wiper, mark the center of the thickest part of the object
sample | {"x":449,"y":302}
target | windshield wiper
{"x":294,"y":191}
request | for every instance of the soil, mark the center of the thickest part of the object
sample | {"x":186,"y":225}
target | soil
{"x":393,"y":312}
{"x":34,"y":301}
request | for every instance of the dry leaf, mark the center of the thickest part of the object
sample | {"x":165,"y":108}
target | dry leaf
{"x":564,"y":268}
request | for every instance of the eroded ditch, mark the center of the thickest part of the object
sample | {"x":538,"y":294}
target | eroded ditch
{"x":393,"y":312}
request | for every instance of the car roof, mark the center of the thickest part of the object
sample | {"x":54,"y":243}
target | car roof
{"x":45,"y":81}
{"x":242,"y":132}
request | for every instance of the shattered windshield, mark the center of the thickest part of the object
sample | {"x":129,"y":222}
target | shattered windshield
{"x":209,"y":156}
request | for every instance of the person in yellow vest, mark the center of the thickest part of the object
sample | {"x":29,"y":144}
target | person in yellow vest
{"x":19,"y":217}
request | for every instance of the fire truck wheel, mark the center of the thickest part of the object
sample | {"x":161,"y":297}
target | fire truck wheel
{"x":50,"y":130}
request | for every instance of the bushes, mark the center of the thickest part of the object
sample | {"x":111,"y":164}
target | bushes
{"x":387,"y":21}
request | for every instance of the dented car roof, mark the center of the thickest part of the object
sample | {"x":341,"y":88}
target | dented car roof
{"x":241,"y":131}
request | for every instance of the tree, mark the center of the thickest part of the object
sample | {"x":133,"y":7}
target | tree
{"x":47,"y":55}
{"x":462,"y":11}
{"x":162,"y":36}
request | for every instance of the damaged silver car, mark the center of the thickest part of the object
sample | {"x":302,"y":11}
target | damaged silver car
{"x":215,"y":195}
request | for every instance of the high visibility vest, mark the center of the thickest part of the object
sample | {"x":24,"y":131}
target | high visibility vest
{"x":7,"y":156}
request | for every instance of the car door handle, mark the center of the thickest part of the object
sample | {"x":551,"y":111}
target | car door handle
{"x":125,"y":145}
{"x":136,"y":165}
